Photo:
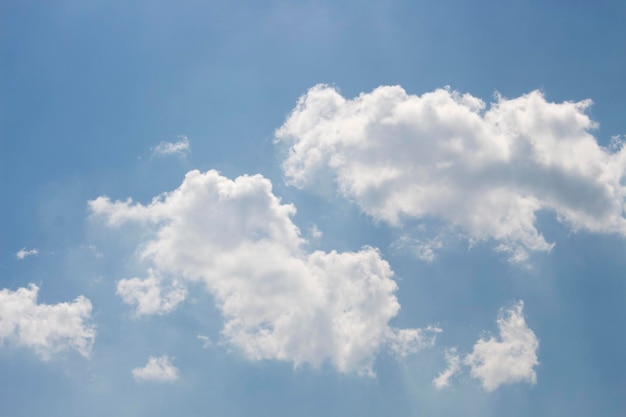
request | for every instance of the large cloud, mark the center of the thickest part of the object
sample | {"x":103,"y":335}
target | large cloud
{"x":485,"y":171}
{"x":278,"y":301}
{"x":46,"y":328}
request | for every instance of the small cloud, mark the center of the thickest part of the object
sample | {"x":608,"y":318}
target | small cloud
{"x":454,"y":365}
{"x":424,"y":250}
{"x":206,"y":341}
{"x":23,"y":253}
{"x":181,"y":147}
{"x":510,"y":359}
{"x":157,"y":370}
{"x":94,"y":249}
{"x":151,"y":295}
{"x":315,"y":232}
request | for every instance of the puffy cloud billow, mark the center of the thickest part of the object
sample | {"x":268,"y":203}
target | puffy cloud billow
{"x":509,"y":359}
{"x":46,"y":328}
{"x":236,"y":238}
{"x":485,"y":171}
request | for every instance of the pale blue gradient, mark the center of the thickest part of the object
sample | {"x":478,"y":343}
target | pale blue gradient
{"x":87,"y":88}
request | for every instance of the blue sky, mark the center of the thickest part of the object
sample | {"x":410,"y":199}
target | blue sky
{"x":312,"y":208}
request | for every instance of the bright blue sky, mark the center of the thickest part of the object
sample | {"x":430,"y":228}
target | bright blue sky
{"x":461,"y":202}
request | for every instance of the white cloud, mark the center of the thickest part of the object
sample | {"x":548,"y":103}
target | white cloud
{"x":315,"y":232}
{"x":510,"y":359}
{"x":46,"y":328}
{"x":157,"y":370}
{"x":206,"y":341}
{"x":150,"y":294}
{"x":422,"y":249}
{"x":404,"y":342}
{"x":181,"y":147}
{"x":483,"y":170}
{"x":454,"y":365}
{"x":23,"y":253}
{"x":278,"y":301}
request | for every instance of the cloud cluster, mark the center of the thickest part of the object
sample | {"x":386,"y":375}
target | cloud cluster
{"x":278,"y":301}
{"x":46,"y":328}
{"x":485,"y":171}
{"x":157,"y":370}
{"x":508,"y":359}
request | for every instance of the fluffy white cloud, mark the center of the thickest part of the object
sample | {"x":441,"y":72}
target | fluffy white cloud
{"x":151,"y":295}
{"x":510,"y":359}
{"x":46,"y":328}
{"x":180,"y":147}
{"x":23,"y":253}
{"x":158,"y":370}
{"x":483,"y":170}
{"x":454,"y":365}
{"x":278,"y":301}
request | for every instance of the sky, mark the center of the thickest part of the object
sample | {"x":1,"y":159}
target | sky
{"x":297,"y":208}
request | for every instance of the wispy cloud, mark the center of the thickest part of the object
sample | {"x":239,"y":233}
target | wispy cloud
{"x":180,"y":147}
{"x":206,"y":341}
{"x":454,"y":365}
{"x":23,"y":253}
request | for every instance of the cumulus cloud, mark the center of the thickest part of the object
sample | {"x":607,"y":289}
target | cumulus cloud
{"x":157,"y":370}
{"x":150,"y":294}
{"x":485,"y":171}
{"x":279,"y":301}
{"x":509,"y":359}
{"x":23,"y":253}
{"x":46,"y":328}
{"x":180,"y":147}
